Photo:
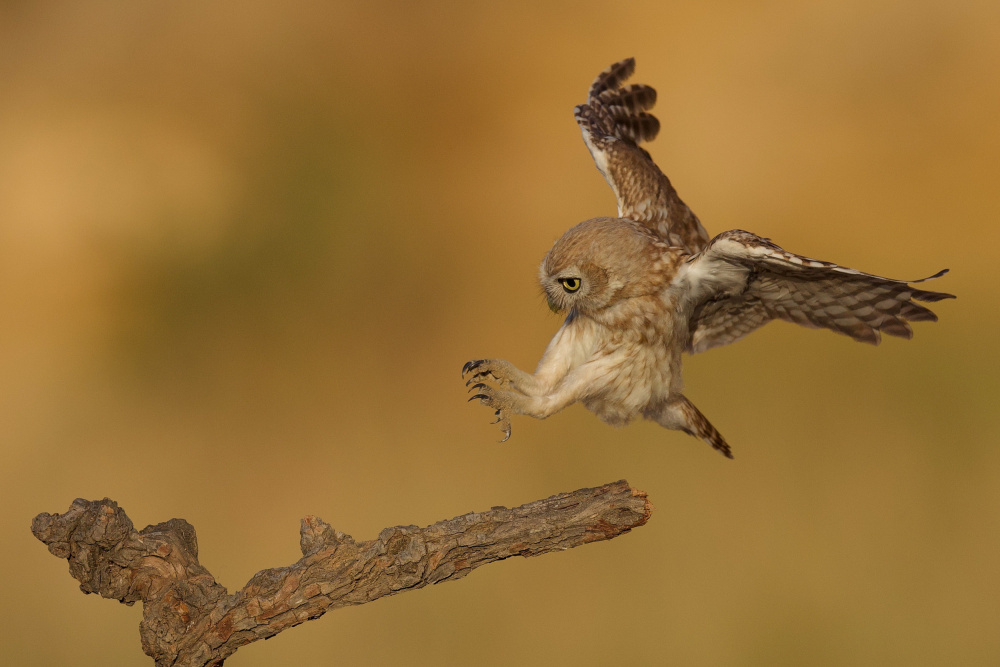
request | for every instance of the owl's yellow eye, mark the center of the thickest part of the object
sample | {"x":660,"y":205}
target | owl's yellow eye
{"x":570,"y":284}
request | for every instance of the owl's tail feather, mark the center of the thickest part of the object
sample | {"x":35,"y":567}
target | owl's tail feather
{"x":680,"y":414}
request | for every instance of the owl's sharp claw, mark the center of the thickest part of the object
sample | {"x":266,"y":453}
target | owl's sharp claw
{"x":481,"y":396}
{"x":470,"y":366}
{"x":506,"y":436}
{"x":474,"y":387}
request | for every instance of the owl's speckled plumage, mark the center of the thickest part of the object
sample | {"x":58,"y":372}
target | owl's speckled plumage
{"x":644,"y":287}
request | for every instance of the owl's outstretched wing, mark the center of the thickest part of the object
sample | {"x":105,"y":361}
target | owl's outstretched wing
{"x":614,"y":121}
{"x":741,"y":281}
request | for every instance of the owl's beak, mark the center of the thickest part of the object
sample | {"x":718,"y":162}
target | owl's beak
{"x":552,"y":306}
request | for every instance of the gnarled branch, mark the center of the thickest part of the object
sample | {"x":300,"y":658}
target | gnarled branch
{"x":190,"y":619}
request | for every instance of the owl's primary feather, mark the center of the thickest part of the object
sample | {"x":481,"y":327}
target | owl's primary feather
{"x":644,"y":287}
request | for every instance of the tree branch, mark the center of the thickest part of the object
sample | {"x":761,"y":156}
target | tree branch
{"x":190,"y":619}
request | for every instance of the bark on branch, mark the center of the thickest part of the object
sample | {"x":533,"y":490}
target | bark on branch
{"x":190,"y":619}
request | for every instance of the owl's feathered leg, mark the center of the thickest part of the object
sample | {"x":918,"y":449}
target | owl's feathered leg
{"x":540,"y":395}
{"x":679,"y":414}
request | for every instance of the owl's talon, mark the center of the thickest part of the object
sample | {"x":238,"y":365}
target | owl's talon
{"x":479,"y":385}
{"x":480,"y":396}
{"x":471,"y":365}
{"x":490,"y":370}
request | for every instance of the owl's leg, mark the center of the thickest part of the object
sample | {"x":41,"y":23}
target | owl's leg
{"x":679,"y":414}
{"x":511,"y":399}
{"x":558,"y":381}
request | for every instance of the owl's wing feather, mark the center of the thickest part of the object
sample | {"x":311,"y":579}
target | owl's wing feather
{"x":614,"y":121}
{"x":742,"y":281}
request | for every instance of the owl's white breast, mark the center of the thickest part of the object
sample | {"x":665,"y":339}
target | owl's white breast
{"x":634,"y":359}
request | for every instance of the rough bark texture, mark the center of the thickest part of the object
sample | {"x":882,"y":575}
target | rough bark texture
{"x":190,"y":619}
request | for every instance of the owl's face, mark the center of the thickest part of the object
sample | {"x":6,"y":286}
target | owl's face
{"x":595,"y":264}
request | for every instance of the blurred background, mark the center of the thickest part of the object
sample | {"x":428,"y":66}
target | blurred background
{"x":246,"y":248}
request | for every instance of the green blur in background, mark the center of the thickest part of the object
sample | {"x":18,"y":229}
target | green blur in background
{"x":246,"y":248}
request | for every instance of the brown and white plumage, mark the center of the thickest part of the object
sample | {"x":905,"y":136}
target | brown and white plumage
{"x":767,"y":283}
{"x":644,"y":287}
{"x":614,"y":121}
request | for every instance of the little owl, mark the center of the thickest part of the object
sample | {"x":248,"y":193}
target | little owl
{"x":644,"y":287}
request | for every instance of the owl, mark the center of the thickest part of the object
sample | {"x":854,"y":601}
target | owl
{"x":640,"y":289}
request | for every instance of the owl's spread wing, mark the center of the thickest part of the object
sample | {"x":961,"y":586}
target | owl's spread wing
{"x":742,"y":281}
{"x":614,"y":121}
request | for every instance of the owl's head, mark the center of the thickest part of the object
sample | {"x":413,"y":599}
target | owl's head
{"x":595,"y":264}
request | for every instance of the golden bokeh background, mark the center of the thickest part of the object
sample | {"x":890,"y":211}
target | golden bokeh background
{"x":246,"y":248}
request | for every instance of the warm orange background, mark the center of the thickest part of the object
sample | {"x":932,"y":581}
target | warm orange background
{"x":245,"y":250}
